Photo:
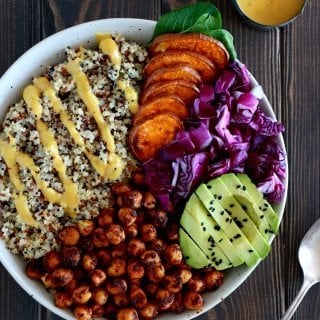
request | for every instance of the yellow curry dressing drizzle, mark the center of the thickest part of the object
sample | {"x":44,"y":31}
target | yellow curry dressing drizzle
{"x":8,"y":153}
{"x":69,"y":199}
{"x":101,"y":167}
{"x":130,"y":94}
{"x":115,"y":165}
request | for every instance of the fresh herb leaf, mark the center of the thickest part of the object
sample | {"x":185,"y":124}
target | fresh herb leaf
{"x":226,"y":38}
{"x":204,"y":23}
{"x":183,"y":19}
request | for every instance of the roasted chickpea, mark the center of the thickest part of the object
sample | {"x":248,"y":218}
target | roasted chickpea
{"x":89,"y":261}
{"x":132,"y":199}
{"x":82,"y":294}
{"x":99,"y":238}
{"x":157,"y":245}
{"x":158,"y":218}
{"x":47,"y":281}
{"x":173,"y":254}
{"x":119,"y":250}
{"x":172,"y":232}
{"x":164,"y":299}
{"x":62,"y":299}
{"x":196,"y":284}
{"x":115,"y":234}
{"x":51,"y":260}
{"x":192,"y":300}
{"x":135,"y":269}
{"x":97,"y":277}
{"x":105,"y":218}
{"x":71,"y":256}
{"x":127,"y":216}
{"x":85,"y":227}
{"x":69,"y":236}
{"x":97,"y":311}
{"x":83,"y":313}
{"x":177,"y":306}
{"x":117,"y":286}
{"x":121,"y":300}
{"x":61,"y":277}
{"x":212,"y":279}
{"x":185,"y":275}
{"x":100,"y":296}
{"x":34,"y":269}
{"x":149,"y":201}
{"x":127,"y":314}
{"x":155,"y":272}
{"x":131,"y":231}
{"x":138,"y":177}
{"x":104,"y":257}
{"x":149,"y":311}
{"x":119,"y":188}
{"x":137,"y":297}
{"x":172,"y":283}
{"x":152,"y":288}
{"x":86,"y":244}
{"x":148,"y":232}
{"x":117,"y":267}
{"x":136,"y":247}
{"x":150,"y":257}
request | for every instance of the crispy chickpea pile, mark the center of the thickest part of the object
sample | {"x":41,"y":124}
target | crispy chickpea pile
{"x":125,"y":265}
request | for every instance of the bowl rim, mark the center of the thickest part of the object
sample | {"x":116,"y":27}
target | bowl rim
{"x":7,"y":81}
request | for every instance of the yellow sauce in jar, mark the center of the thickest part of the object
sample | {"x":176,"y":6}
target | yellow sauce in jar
{"x":271,"y":12}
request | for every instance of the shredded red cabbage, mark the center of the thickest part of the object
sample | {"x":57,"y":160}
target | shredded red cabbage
{"x":226,"y":132}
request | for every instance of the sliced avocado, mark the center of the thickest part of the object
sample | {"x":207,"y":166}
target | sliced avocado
{"x":211,"y":230}
{"x":222,"y":194}
{"x":241,"y":194}
{"x":197,"y":233}
{"x":224,"y":220}
{"x":194,"y":257}
{"x":262,"y":204}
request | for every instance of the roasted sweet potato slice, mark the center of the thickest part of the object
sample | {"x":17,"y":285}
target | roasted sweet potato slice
{"x":146,"y":138}
{"x":181,"y":71}
{"x":162,"y":104}
{"x":203,"y":65}
{"x":206,"y":45}
{"x":186,"y":91}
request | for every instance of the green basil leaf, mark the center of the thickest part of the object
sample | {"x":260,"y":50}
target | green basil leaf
{"x":226,"y":38}
{"x":205,"y":22}
{"x":184,"y":18}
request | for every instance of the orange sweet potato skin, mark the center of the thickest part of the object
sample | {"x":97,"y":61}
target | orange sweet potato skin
{"x":146,"y":138}
{"x":186,"y":91}
{"x":180,"y":71}
{"x":199,"y":62}
{"x":162,"y":104}
{"x":203,"y":44}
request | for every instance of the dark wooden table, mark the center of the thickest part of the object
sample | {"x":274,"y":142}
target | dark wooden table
{"x":287,"y":62}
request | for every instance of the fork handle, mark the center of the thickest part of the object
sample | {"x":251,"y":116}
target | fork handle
{"x":307,"y":284}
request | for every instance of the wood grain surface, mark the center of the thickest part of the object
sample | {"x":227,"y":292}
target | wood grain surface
{"x":286,"y":62}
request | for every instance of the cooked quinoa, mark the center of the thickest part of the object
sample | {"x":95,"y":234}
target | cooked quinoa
{"x":20,"y":124}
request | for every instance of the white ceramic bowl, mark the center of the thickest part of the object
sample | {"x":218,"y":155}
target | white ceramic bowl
{"x":34,"y":62}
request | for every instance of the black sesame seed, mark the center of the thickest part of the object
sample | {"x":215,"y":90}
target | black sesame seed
{"x":231,"y":205}
{"x":245,"y":220}
{"x":187,"y":257}
{"x":244,"y":188}
{"x":213,"y":254}
{"x":238,"y":186}
{"x":231,"y":240}
{"x":250,"y":250}
{"x":208,"y":186}
{"x":216,"y":227}
{"x":202,"y":223}
{"x":244,"y":207}
{"x":228,"y":211}
{"x":266,"y":231}
{"x":220,"y":197}
{"x":222,"y":213}
{"x":208,"y":215}
{"x":264,"y":210}
{"x":237,"y":236}
{"x":204,"y":229}
{"x":215,"y":196}
{"x":227,"y":219}
{"x":212,"y":202}
{"x":220,"y":240}
{"x":266,"y":205}
{"x":262,"y":216}
{"x":210,"y":249}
